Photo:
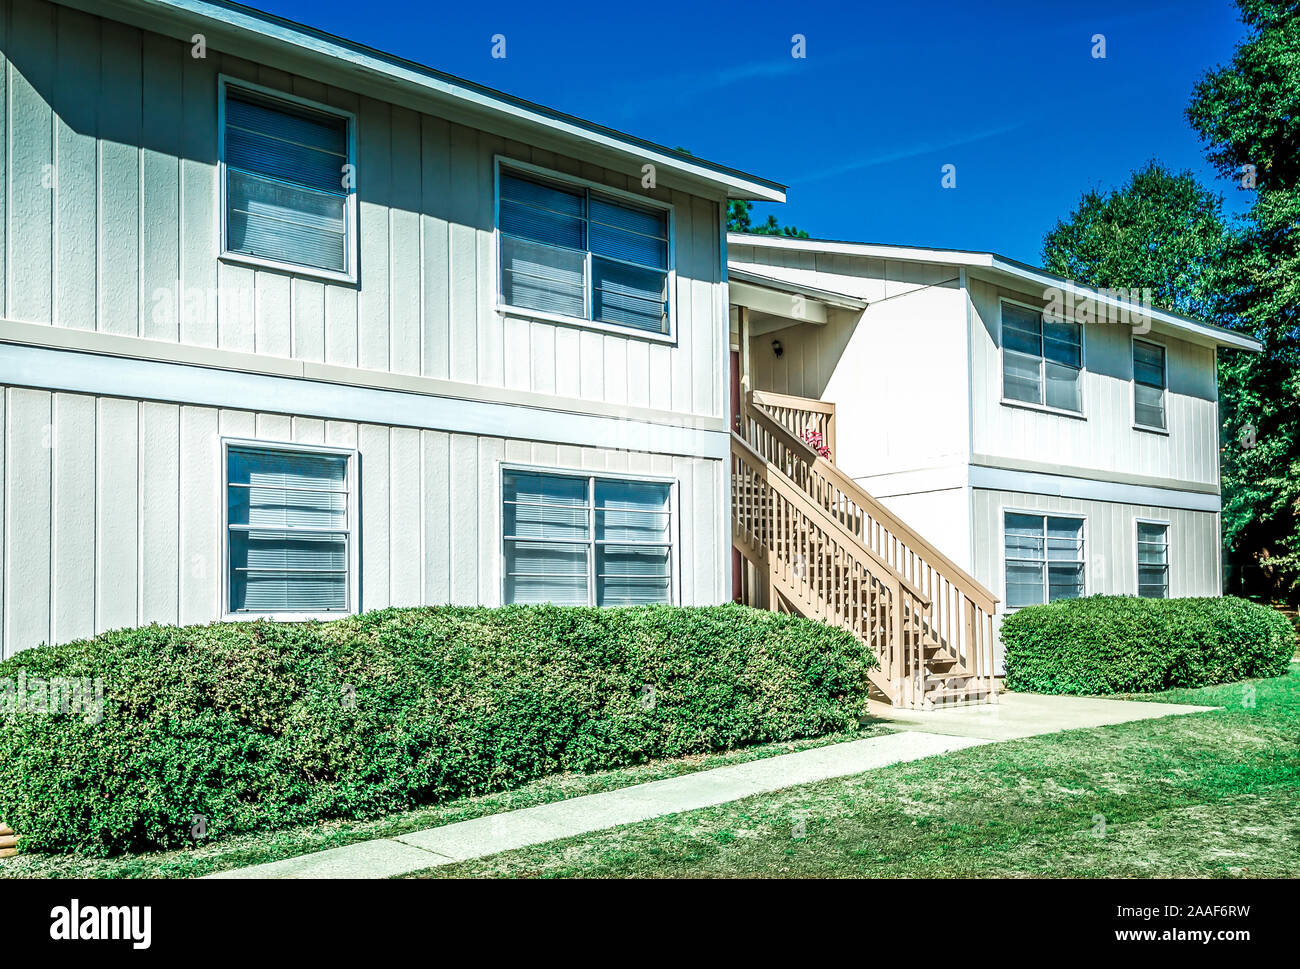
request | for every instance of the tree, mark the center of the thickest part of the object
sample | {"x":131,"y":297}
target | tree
{"x":740,"y":219}
{"x":1161,"y":231}
{"x":1248,"y":115}
{"x":1167,"y":232}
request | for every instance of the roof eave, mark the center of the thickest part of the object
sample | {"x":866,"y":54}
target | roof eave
{"x":992,"y":263}
{"x":1206,"y":332}
{"x":434,"y":89}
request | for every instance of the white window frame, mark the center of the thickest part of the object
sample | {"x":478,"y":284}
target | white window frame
{"x":674,"y":522}
{"x":349,"y":275}
{"x":353,"y":530}
{"x":1082,"y":412}
{"x":1164,"y":400}
{"x":644,"y":201}
{"x":1169,"y":555}
{"x":1005,"y":510}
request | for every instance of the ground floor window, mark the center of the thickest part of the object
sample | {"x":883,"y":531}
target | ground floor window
{"x":582,"y":540}
{"x":1044,"y":558}
{"x":1153,"y":559}
{"x":288,"y":529}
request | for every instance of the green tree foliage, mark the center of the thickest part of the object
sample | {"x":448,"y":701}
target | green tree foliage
{"x":1165,"y":231}
{"x":740,"y":218}
{"x":1248,"y":114}
{"x":1161,"y":230}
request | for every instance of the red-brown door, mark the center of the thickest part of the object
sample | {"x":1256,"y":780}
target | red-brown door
{"x":737,"y":588}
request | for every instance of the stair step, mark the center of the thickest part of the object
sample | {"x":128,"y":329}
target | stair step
{"x":959,"y":694}
{"x":5,"y":829}
{"x":946,"y":675}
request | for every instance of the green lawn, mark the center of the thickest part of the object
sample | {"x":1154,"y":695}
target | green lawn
{"x":1205,"y":795}
{"x":253,"y":849}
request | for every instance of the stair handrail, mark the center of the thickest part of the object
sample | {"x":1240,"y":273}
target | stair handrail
{"x":855,"y":493}
{"x":799,"y":498}
{"x":819,"y":415}
{"x":900,"y":656}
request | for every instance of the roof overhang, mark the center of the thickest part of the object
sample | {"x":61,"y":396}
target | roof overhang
{"x":262,"y":37}
{"x":776,"y":304}
{"x":748,"y":279}
{"x":1003,"y":271}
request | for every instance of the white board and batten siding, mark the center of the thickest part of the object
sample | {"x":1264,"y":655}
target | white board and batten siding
{"x":1109,"y":527}
{"x":115,"y":211}
{"x":892,"y":370}
{"x":105,"y":530}
{"x":1110,"y":545}
{"x":1106,"y":442}
{"x":109,"y":224}
{"x":916,"y":379}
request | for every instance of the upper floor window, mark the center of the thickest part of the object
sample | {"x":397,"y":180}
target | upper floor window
{"x":577,"y":540}
{"x":1149,"y":382}
{"x":289,"y":534}
{"x":288,"y":183}
{"x":1044,"y":558}
{"x":575,"y":251}
{"x":1042,"y":359}
{"x":1153,"y":559}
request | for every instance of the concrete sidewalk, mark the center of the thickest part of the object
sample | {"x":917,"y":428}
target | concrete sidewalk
{"x":923,"y":734}
{"x":1017,"y":715}
{"x":479,"y":837}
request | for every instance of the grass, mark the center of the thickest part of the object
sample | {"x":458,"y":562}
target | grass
{"x":1201,"y":795}
{"x":259,"y":847}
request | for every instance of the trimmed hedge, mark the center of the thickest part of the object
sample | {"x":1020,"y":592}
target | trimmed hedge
{"x":1123,"y":644}
{"x":263,"y":724}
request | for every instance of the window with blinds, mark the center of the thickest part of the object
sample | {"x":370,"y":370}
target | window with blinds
{"x":577,"y":540}
{"x":1044,"y":558}
{"x":1153,"y":560}
{"x":287,"y":191}
{"x":289,"y":530}
{"x":578,"y":252}
{"x":1042,"y":359}
{"x":1148,"y":384}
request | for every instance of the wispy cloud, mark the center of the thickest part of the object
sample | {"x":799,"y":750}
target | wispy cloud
{"x":916,"y":150}
{"x":653,"y":92}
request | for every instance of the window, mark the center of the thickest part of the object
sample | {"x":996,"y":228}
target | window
{"x":1044,"y":558}
{"x":287,"y":194}
{"x":1041,"y":359}
{"x":1148,"y":384}
{"x":1153,"y":559}
{"x":577,"y":252}
{"x":289,"y":530}
{"x":577,"y":540}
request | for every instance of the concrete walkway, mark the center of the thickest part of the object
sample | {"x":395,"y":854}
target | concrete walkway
{"x":462,"y":840}
{"x":922,"y":735}
{"x":1017,"y":715}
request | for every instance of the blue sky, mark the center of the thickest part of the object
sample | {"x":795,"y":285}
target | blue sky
{"x":888,"y":93}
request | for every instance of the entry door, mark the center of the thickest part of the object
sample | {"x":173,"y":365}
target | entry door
{"x":737,"y":588}
{"x":735,"y":391}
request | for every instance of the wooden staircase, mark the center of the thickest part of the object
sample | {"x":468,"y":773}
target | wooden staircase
{"x":816,"y":544}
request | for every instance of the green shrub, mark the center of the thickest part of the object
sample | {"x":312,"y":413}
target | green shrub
{"x":264,"y":724}
{"x":1123,"y":644}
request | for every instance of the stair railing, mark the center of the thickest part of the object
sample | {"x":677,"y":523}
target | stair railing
{"x":824,"y":571}
{"x":801,"y":414}
{"x":959,"y":611}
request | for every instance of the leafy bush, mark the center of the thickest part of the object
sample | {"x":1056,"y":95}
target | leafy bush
{"x":1123,"y":644}
{"x":264,"y":724}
